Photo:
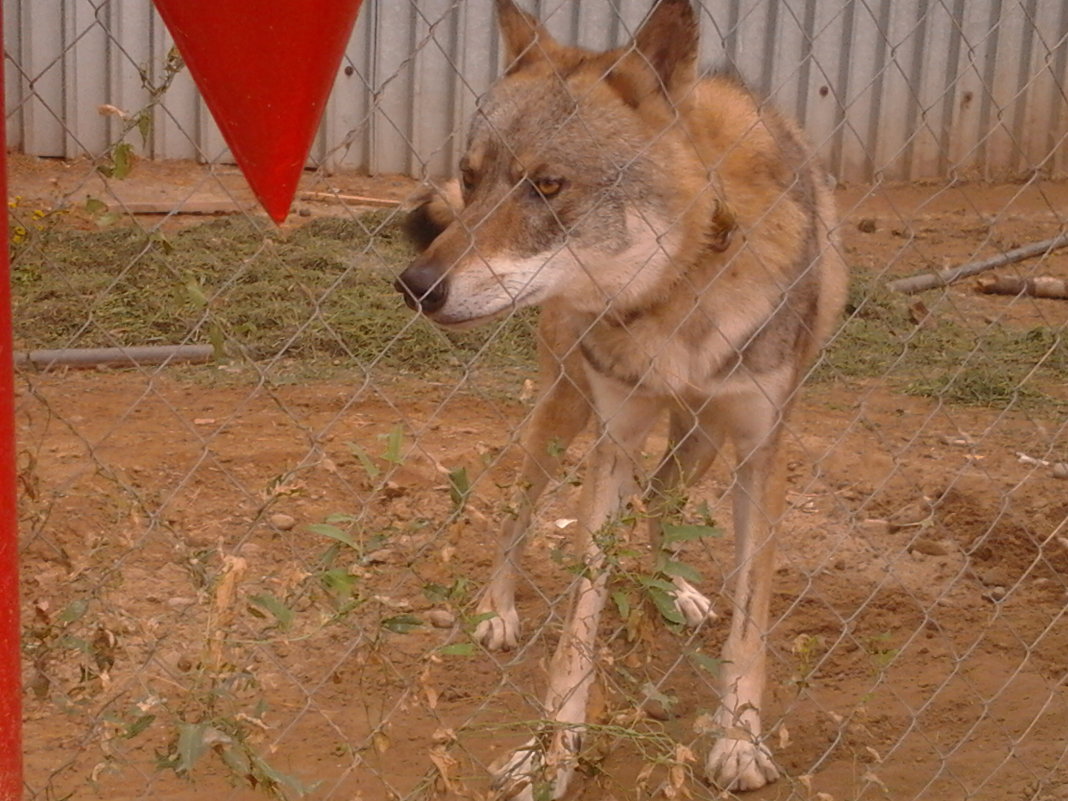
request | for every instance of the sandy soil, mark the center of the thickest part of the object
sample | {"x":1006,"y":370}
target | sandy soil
{"x":171,"y":582}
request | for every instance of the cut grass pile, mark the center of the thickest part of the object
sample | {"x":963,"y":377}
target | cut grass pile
{"x":990,"y":364}
{"x":322,"y":293}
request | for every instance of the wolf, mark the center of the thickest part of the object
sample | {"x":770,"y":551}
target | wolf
{"x":678,"y":235}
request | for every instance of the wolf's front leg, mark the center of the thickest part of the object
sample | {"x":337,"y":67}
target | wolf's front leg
{"x":562,"y":412}
{"x":739,"y":760}
{"x":548,"y":760}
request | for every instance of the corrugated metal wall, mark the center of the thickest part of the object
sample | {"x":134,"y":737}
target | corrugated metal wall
{"x":886,"y":88}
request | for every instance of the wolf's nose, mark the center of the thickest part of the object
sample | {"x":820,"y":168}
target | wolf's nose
{"x":424,"y":287}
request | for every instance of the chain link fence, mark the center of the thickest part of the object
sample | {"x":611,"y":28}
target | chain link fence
{"x":253,"y":569}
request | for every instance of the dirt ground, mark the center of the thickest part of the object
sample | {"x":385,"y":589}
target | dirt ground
{"x":232,"y":582}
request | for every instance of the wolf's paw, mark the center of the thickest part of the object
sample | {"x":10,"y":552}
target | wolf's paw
{"x":499,"y":631}
{"x":740,"y":765}
{"x":691,"y":603}
{"x":532,"y":769}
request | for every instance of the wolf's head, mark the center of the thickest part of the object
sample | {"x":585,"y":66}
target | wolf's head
{"x":571,"y":179}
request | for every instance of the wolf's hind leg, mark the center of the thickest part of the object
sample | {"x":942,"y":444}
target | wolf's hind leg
{"x":692,"y":448}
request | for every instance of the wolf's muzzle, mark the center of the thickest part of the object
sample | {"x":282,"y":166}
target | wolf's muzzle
{"x":423,"y":286}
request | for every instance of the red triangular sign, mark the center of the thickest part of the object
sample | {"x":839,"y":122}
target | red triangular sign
{"x":265,"y":69}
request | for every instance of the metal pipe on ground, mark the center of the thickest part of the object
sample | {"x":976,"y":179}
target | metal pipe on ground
{"x":138,"y":356}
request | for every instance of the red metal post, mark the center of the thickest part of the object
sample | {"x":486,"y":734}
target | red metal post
{"x":10,"y":661}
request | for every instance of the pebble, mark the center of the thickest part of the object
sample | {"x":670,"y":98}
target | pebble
{"x":928,"y":547}
{"x":441,"y":618}
{"x":658,"y":710}
{"x":379,"y":557}
{"x":282,"y":522}
{"x":997,"y":593}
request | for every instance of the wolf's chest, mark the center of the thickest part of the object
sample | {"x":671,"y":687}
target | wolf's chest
{"x":653,"y":362}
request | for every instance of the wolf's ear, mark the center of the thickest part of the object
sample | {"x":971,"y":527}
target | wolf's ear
{"x":525,"y":40}
{"x":430,"y":211}
{"x":668,"y":43}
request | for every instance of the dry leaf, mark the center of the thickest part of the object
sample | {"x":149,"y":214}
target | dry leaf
{"x":445,"y":765}
{"x":642,"y":779}
{"x":784,"y":738}
{"x":431,"y":696}
{"x":705,"y":723}
{"x":869,"y":776}
{"x":380,"y":740}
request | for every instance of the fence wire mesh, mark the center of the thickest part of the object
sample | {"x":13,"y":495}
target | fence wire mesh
{"x":255,"y":569}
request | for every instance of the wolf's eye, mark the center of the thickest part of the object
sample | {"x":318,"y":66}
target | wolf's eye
{"x":548,"y":187}
{"x":467,"y":180}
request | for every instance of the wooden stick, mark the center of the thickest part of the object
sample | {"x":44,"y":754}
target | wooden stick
{"x":1043,"y":286}
{"x":924,"y":281}
{"x":356,"y":200}
{"x":183,"y":207}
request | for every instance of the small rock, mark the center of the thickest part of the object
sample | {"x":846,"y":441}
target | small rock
{"x":282,"y":522}
{"x":866,"y":225}
{"x":379,"y":557}
{"x":1060,"y":470}
{"x":928,"y":547}
{"x":875,"y":527}
{"x":995,"y":593}
{"x":441,"y":618}
{"x":664,"y":709}
{"x":914,"y":514}
{"x":392,"y":490}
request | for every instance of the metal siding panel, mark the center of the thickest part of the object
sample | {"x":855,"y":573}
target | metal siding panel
{"x":12,"y":11}
{"x":558,"y":17}
{"x":210,"y":140}
{"x":43,"y":77}
{"x":1022,"y":57}
{"x":1002,"y":79}
{"x":629,"y":16}
{"x":785,"y":55}
{"x":1038,"y":125}
{"x":862,"y":92}
{"x":477,"y":57}
{"x":718,"y":23}
{"x":897,"y":100}
{"x":85,"y":68}
{"x":391,"y":122}
{"x":926,"y":89}
{"x":1060,"y":124}
{"x":129,"y":52}
{"x":346,"y":120}
{"x":823,"y":96}
{"x":175,"y":120}
{"x":435,"y":27}
{"x":755,"y":24}
{"x":932,"y":77}
{"x":596,"y":25}
{"x":966,"y":134}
